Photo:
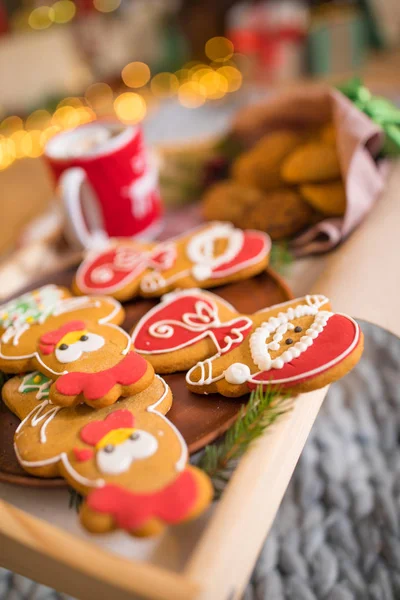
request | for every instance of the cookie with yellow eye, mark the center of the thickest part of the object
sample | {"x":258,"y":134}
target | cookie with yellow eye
{"x":74,"y":341}
{"x":128,"y":460}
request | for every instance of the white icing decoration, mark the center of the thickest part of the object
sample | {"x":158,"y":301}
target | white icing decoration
{"x":277,"y":327}
{"x":206,"y":372}
{"x":237,"y":373}
{"x":202,"y":272}
{"x":41,"y":392}
{"x":120,"y":458}
{"x":209,"y":317}
{"x":182,"y":460}
{"x":75,"y":350}
{"x":102,"y":274}
{"x":200,"y":249}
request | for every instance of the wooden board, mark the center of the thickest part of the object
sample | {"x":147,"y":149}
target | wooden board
{"x":201,"y":419}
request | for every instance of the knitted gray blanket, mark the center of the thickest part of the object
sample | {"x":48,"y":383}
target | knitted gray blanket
{"x":336,"y":536}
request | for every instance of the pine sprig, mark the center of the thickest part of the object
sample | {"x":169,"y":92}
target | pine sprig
{"x":75,"y":499}
{"x":280,"y":258}
{"x":261,"y":411}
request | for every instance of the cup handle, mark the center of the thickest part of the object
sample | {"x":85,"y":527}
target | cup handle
{"x":71,"y":183}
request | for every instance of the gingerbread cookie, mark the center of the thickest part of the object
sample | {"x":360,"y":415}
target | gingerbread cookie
{"x":311,"y":163}
{"x":207,"y":256}
{"x":299,"y":345}
{"x":186,"y":327}
{"x":328,"y":198}
{"x":76,"y":342}
{"x":261,"y":166}
{"x":127,"y":459}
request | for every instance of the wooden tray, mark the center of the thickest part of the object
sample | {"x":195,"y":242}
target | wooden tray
{"x":201,"y":419}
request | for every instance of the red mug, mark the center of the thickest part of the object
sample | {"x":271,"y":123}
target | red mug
{"x":109,"y":182}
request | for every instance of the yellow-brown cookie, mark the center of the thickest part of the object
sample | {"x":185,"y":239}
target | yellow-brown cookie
{"x":328,"y":198}
{"x":299,"y":346}
{"x":74,"y":341}
{"x":261,"y":166}
{"x":312,"y":163}
{"x":206,"y":256}
{"x":230,"y":201}
{"x":128,"y":460}
{"x":328,"y":134}
{"x":282,"y":214}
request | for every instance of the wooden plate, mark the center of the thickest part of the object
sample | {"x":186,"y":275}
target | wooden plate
{"x":201,"y":419}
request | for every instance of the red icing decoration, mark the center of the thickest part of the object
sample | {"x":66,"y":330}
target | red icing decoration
{"x":83,"y":454}
{"x":255,"y":246}
{"x":337,"y":336}
{"x":189,"y":311}
{"x":48,"y":340}
{"x":96,"y":385}
{"x":93,"y":432}
{"x":132,"y":511}
{"x":124,"y":270}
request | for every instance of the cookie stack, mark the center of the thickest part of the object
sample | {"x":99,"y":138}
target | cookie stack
{"x":286,"y":182}
{"x":89,"y":395}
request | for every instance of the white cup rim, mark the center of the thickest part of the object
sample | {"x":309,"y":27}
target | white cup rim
{"x":56,"y":143}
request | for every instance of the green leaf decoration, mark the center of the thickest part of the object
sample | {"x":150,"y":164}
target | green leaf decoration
{"x":380,"y":110}
{"x":262,"y":410}
{"x":280,"y":258}
{"x":75,"y":499}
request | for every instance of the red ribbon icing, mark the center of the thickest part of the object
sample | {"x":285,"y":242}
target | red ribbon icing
{"x":132,"y":511}
{"x":188,"y":312}
{"x":48,"y":340}
{"x":96,"y":385}
{"x":95,"y":431}
{"x":255,"y":245}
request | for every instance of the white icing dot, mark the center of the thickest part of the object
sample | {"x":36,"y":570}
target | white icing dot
{"x":201,"y":272}
{"x":237,"y":373}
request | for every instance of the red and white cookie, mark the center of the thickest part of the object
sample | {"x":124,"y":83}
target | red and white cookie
{"x":207,"y":256}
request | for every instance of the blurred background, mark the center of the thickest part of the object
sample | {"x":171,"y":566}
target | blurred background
{"x":181,"y":68}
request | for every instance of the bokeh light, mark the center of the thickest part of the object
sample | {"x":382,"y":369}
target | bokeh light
{"x":48,"y":133}
{"x":65,"y":117}
{"x":100,"y":96}
{"x":191,"y":94}
{"x":233,"y":77}
{"x":17,"y":138}
{"x":183,"y":75}
{"x":41,"y":17}
{"x":39,"y":119}
{"x":7,"y":152}
{"x":214,"y":84}
{"x":11,"y":124}
{"x":219,"y":49}
{"x":164,"y":85}
{"x":106,"y":6}
{"x":130,"y":107}
{"x":71,"y":101}
{"x":135,"y":74}
{"x":64,"y":11}
{"x":31,"y":144}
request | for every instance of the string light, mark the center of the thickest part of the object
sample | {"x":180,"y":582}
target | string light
{"x":191,"y":94}
{"x":130,"y":107}
{"x":219,"y":49}
{"x":41,"y":17}
{"x":106,"y":6}
{"x":64,"y":11}
{"x":135,"y":74}
{"x":194,"y":84}
{"x":164,"y":85}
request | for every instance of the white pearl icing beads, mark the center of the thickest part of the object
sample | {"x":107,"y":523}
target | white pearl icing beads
{"x":237,"y":373}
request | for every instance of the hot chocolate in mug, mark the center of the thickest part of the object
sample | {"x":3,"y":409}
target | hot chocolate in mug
{"x":108,"y":182}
